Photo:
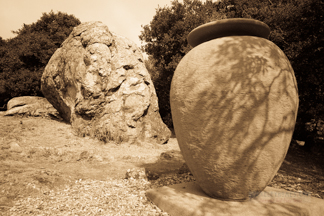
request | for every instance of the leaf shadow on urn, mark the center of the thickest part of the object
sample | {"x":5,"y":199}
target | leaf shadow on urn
{"x":234,"y":122}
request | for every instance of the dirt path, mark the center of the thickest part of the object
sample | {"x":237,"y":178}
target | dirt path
{"x":40,"y":152}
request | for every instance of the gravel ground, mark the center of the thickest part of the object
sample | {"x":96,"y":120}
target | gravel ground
{"x":92,"y":197}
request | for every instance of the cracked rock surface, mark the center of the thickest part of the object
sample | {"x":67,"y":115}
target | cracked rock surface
{"x":98,"y":82}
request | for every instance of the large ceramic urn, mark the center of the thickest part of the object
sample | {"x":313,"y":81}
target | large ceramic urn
{"x":234,"y":104}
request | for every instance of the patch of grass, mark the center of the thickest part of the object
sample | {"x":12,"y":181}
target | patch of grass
{"x":109,"y":135}
{"x":105,"y":134}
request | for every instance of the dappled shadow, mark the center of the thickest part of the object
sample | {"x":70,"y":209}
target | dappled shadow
{"x":242,"y":115}
{"x":188,"y":199}
{"x":167,"y":163}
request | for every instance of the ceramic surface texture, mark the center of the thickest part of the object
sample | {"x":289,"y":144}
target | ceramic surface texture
{"x":234,"y":103}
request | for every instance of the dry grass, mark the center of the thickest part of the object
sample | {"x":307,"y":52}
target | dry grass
{"x":105,"y":134}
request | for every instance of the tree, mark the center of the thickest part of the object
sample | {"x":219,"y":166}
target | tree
{"x":166,"y":43}
{"x":24,"y":57}
{"x":297,"y":27}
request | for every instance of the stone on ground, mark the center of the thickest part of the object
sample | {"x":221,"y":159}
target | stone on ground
{"x":98,"y":82}
{"x":30,"y":106}
{"x":188,"y":199}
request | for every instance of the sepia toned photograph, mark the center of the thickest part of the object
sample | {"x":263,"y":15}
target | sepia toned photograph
{"x":162,"y":107}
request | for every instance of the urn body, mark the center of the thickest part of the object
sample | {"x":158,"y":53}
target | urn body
{"x":234,"y":104}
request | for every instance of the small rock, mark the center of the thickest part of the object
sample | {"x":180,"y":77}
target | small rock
{"x":166,"y":155}
{"x":85,"y":155}
{"x":152,"y":176}
{"x":300,"y":143}
{"x":15,"y":147}
{"x":30,"y":106}
{"x":134,"y":173}
{"x":184,"y":169}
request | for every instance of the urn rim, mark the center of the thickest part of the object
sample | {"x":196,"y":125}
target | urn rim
{"x":228,"y":27}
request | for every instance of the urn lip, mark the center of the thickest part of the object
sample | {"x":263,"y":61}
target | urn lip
{"x":228,"y":27}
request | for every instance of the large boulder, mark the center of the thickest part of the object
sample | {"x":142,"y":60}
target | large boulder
{"x":98,"y":82}
{"x":30,"y":106}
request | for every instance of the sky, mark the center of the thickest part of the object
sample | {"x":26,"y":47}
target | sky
{"x":124,"y":17}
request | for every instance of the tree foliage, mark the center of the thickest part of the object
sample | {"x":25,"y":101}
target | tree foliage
{"x":166,"y":43}
{"x":24,"y":57}
{"x":296,"y":27}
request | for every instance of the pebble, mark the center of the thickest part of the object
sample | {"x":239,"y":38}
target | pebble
{"x":15,"y":147}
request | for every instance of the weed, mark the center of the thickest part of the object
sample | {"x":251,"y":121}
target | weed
{"x":109,"y":134}
{"x":105,"y":133}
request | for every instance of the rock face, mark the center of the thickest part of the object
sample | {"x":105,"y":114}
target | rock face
{"x":31,"y":106}
{"x":98,"y":82}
